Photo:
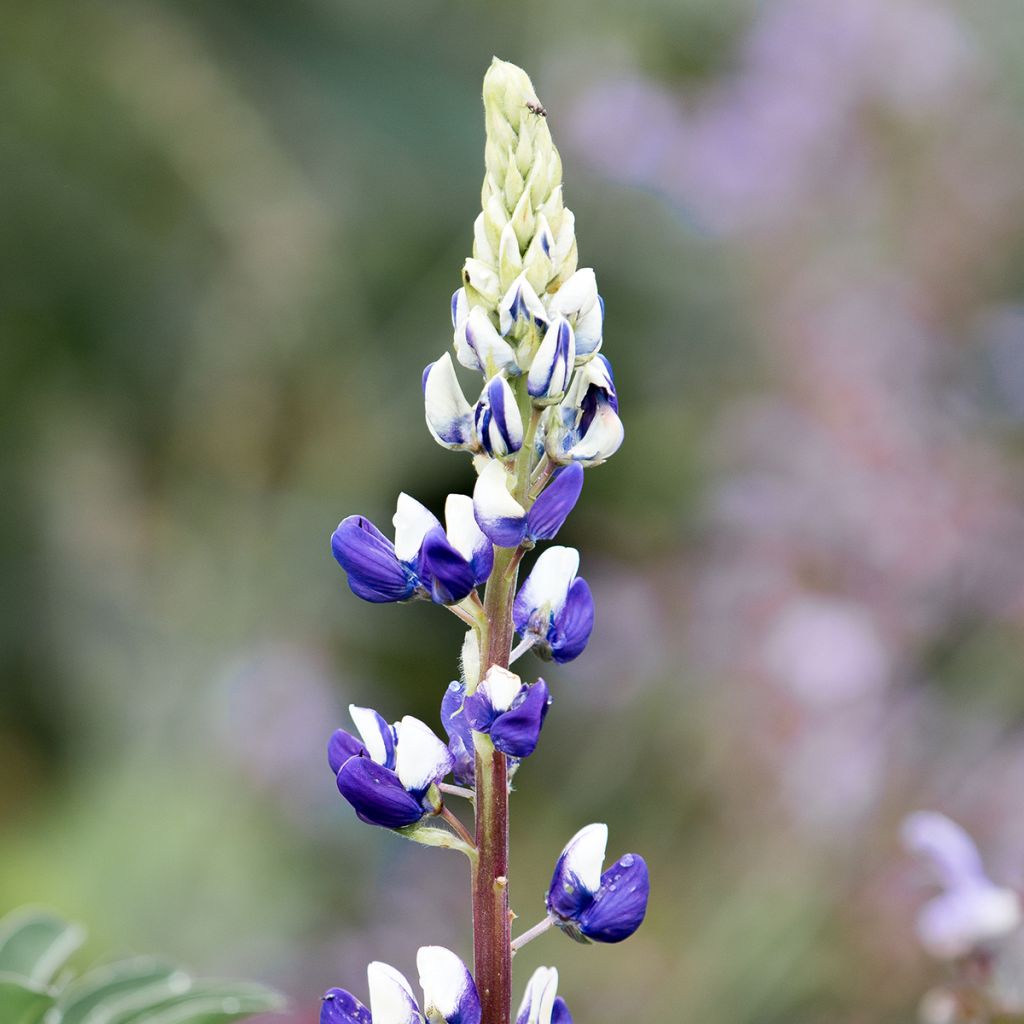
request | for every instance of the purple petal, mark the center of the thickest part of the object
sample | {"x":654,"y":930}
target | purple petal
{"x":479,"y":712}
{"x":460,"y":735}
{"x":450,"y":574}
{"x":557,"y":500}
{"x":620,"y":904}
{"x":560,"y":1012}
{"x":341,"y":746}
{"x":374,"y":571}
{"x":573,"y":625}
{"x":516,"y":731}
{"x":377,"y":795}
{"x":341,"y":1007}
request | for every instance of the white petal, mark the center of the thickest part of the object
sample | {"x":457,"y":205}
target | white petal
{"x":501,"y":687}
{"x":420,"y":756}
{"x":444,"y":980}
{"x":482,"y":278}
{"x":539,"y":998}
{"x":460,"y":308}
{"x":550,"y":579}
{"x":413,"y":522}
{"x":491,"y":498}
{"x":448,"y":411}
{"x":463,"y":533}
{"x":589,"y":328}
{"x":391,"y":998}
{"x":602,"y":440}
{"x":369,"y":725}
{"x":482,"y":248}
{"x":576,"y":296}
{"x":584,"y":855}
{"x":492,"y":351}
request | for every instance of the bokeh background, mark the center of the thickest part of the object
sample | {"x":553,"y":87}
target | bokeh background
{"x":230,"y":233}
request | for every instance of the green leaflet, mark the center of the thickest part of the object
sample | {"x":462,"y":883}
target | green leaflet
{"x":21,"y":1002}
{"x":35,"y":945}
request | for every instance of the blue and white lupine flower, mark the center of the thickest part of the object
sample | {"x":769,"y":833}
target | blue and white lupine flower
{"x":554,"y":610}
{"x":541,"y":1003}
{"x":448,"y":412}
{"x":478,"y":345}
{"x":520,"y":307}
{"x":508,"y":710}
{"x":585,"y":427}
{"x":578,"y":299}
{"x":390,"y":772}
{"x":424,"y":561}
{"x":499,"y":424}
{"x":505,"y":522}
{"x":553,"y":363}
{"x":449,"y":994}
{"x":589,"y":905}
{"x":971,"y":910}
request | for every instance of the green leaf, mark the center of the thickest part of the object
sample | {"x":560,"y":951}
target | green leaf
{"x":35,"y":944}
{"x":104,"y":985}
{"x":180,"y":1000}
{"x":22,"y":1002}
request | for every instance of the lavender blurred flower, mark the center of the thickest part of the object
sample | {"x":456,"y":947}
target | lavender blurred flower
{"x":389,"y":773}
{"x":971,"y":910}
{"x":449,"y":994}
{"x":589,"y":905}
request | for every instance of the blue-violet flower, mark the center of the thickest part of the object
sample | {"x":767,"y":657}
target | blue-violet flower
{"x":587,"y":904}
{"x":424,"y":561}
{"x":554,"y":610}
{"x":508,"y":710}
{"x":389,"y":774}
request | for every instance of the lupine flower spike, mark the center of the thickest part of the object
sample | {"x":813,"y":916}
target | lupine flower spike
{"x":542,"y":409}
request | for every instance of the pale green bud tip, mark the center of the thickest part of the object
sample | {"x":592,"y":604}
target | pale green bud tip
{"x":509,"y":93}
